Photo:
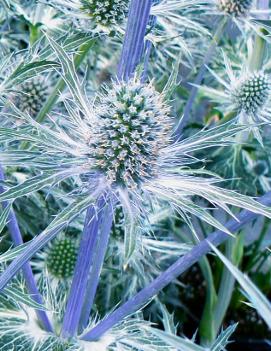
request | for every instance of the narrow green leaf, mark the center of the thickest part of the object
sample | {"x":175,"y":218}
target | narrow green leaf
{"x":172,"y":81}
{"x":25,"y":71}
{"x":130,"y":240}
{"x":259,"y":301}
{"x":70,"y":75}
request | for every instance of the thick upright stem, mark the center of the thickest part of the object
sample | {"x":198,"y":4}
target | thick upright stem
{"x":133,"y":45}
{"x":82,"y":268}
{"x":17,"y":239}
{"x":180,"y":266}
{"x":94,"y":276}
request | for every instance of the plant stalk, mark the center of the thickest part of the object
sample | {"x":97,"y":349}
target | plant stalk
{"x":96,"y":268}
{"x":133,"y":46}
{"x":82,"y":268}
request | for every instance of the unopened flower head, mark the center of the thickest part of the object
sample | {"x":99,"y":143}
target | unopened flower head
{"x":252,"y":92}
{"x":235,"y":8}
{"x":33,"y":94}
{"x":61,"y":258}
{"x":133,"y":126}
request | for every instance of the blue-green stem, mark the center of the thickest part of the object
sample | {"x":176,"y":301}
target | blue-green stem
{"x":96,"y":268}
{"x":133,"y":46}
{"x":84,"y":261}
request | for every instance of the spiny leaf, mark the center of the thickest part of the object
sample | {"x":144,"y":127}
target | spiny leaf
{"x":31,"y":185}
{"x":24,"y":72}
{"x":223,"y":338}
{"x":19,"y":296}
{"x":12,"y":253}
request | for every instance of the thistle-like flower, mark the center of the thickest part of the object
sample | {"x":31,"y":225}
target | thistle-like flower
{"x":235,"y":8}
{"x":121,"y":145}
{"x":105,"y":13}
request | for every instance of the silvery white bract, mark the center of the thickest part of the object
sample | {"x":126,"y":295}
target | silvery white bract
{"x":131,"y":159}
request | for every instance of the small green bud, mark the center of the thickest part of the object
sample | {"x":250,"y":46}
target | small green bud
{"x":61,"y":258}
{"x":33,"y":94}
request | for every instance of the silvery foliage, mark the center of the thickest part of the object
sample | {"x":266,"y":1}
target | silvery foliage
{"x":117,"y":142}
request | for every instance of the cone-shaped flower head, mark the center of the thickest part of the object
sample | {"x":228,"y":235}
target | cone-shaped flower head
{"x":252,"y":92}
{"x":132,"y":128}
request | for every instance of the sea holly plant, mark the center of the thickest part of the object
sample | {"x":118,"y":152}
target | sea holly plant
{"x":125,"y":189}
